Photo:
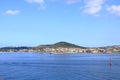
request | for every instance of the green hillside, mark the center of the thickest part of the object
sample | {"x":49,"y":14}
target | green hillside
{"x":62,"y":44}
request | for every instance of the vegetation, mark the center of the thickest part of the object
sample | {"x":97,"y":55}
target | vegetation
{"x":62,"y":44}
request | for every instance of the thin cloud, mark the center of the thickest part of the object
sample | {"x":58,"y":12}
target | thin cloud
{"x":12,"y":12}
{"x":114,"y":9}
{"x":92,"y":7}
{"x":40,"y":2}
{"x":36,"y":1}
{"x":72,"y":1}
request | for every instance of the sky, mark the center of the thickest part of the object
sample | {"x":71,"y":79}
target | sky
{"x":89,"y":23}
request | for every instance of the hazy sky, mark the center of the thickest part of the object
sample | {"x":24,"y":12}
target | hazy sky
{"x":84,"y":22}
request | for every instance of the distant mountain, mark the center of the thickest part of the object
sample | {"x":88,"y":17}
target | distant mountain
{"x":62,"y":44}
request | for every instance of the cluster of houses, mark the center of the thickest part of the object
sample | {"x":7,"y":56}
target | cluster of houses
{"x":63,"y":50}
{"x":62,"y":47}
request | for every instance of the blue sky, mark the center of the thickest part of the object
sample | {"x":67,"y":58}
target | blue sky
{"x":88,"y":23}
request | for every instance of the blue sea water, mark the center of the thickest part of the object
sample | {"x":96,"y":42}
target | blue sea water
{"x":34,"y":66}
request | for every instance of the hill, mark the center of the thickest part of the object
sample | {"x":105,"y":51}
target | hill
{"x":62,"y":44}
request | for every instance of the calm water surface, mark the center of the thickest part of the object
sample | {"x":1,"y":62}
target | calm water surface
{"x":33,"y":66}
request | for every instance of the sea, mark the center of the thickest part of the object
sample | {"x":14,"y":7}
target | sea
{"x":45,"y":66}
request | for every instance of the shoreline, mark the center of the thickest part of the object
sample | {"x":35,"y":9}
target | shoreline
{"x":54,"y":53}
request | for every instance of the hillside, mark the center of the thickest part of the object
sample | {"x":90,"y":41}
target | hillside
{"x":62,"y":44}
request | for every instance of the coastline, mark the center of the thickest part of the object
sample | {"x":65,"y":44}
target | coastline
{"x":63,"y":47}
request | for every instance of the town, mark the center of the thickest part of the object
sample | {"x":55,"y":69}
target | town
{"x":62,"y":47}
